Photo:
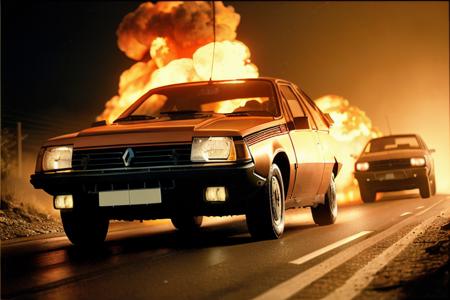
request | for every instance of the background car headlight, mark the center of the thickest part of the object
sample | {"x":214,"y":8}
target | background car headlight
{"x":362,"y":166}
{"x":213,"y":149}
{"x":56,"y":158}
{"x":417,"y":161}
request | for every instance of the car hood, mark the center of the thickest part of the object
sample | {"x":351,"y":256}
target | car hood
{"x":164,"y":131}
{"x":393,"y":154}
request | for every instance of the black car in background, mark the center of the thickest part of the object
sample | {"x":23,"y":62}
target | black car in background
{"x":393,"y":163}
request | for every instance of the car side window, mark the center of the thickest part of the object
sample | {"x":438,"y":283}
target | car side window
{"x":312,"y":123}
{"x":292,"y":101}
{"x":316,"y":113}
{"x":301,"y":106}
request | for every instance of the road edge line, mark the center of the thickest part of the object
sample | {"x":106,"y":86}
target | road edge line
{"x":362,"y":278}
{"x":323,"y":250}
{"x":293,"y":285}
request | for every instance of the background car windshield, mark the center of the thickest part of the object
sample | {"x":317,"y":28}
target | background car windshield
{"x":252,"y":97}
{"x":393,"y":143}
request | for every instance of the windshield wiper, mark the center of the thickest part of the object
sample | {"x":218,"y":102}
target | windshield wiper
{"x":238,"y":113}
{"x":134,"y":118}
{"x":185,"y":112}
{"x":249,"y":113}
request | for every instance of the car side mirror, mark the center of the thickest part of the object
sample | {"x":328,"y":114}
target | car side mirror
{"x":329,"y":119}
{"x":354,"y":156}
{"x":301,"y":122}
{"x":432,"y":150}
{"x":98,"y":123}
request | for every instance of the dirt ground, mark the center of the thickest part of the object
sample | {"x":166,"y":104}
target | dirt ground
{"x":19,"y":220}
{"x":421,"y":271}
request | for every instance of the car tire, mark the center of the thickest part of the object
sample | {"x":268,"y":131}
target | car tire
{"x":265,"y":215}
{"x":367,"y":194}
{"x":433,"y":185}
{"x":326,"y":213}
{"x":187,"y":223}
{"x":425,"y":189}
{"x":84,"y":228}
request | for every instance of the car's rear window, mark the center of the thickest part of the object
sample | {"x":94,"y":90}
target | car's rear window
{"x":392,"y":143}
{"x":252,"y":97}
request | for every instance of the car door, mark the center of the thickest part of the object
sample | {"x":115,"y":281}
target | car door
{"x":326,"y":144}
{"x":309,"y":157}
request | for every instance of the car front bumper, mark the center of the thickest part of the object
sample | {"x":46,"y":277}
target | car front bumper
{"x":393,"y":180}
{"x":182,"y":189}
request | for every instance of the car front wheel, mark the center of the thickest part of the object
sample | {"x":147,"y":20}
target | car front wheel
{"x":433,"y":185}
{"x":265,"y":215}
{"x":84,"y":228}
{"x":367,"y":194}
{"x":187,"y":223}
{"x":326,"y":213}
{"x":425,"y":188}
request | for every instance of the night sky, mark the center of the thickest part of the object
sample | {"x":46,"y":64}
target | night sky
{"x":60,"y":61}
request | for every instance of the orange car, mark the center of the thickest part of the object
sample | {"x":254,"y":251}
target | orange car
{"x":184,"y":151}
{"x":394,"y":163}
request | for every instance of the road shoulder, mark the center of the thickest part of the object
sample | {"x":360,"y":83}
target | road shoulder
{"x":419,"y":271}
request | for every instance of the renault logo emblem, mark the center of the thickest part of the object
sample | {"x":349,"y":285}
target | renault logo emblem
{"x":127,"y":157}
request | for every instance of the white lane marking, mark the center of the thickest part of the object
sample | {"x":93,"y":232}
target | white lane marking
{"x":406,"y":213}
{"x":291,"y":286}
{"x":362,"y":278}
{"x":330,"y":247}
{"x":427,"y":209}
{"x":420,"y":207}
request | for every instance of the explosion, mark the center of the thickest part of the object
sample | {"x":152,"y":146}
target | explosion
{"x":351,"y":130}
{"x":172,"y":42}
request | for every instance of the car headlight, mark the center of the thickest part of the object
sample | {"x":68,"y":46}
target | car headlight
{"x":362,"y":166}
{"x":417,"y":161}
{"x":213,"y":149}
{"x":57,"y":158}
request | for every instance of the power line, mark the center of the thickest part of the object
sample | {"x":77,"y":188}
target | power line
{"x":30,"y":118}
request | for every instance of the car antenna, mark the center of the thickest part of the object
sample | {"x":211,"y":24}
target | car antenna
{"x":388,"y":124}
{"x":214,"y":35}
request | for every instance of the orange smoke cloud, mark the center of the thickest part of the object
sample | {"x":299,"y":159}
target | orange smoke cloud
{"x":187,"y":25}
{"x":173,"y":40}
{"x":352,"y":129}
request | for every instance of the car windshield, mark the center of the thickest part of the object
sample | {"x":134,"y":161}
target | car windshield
{"x":392,"y":143}
{"x":251,"y":97}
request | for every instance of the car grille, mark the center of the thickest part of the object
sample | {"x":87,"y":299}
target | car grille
{"x":390,"y":164}
{"x":144,"y":156}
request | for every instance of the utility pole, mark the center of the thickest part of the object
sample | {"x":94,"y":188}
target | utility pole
{"x":19,"y":149}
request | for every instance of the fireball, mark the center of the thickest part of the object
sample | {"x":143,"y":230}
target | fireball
{"x":352,"y":129}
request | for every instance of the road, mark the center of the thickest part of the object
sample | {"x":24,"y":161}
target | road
{"x":150,"y":260}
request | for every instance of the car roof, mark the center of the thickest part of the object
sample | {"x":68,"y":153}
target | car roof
{"x":397,"y":135}
{"x":271,"y":79}
{"x":418,"y":137}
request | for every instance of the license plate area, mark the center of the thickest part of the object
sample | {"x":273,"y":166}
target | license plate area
{"x":389,"y":176}
{"x":130,"y":197}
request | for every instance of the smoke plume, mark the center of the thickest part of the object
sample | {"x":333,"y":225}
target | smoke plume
{"x":168,"y":40}
{"x":185,"y":25}
{"x":351,"y":130}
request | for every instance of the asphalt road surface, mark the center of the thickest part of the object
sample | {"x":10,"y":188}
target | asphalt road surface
{"x":151,"y":260}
